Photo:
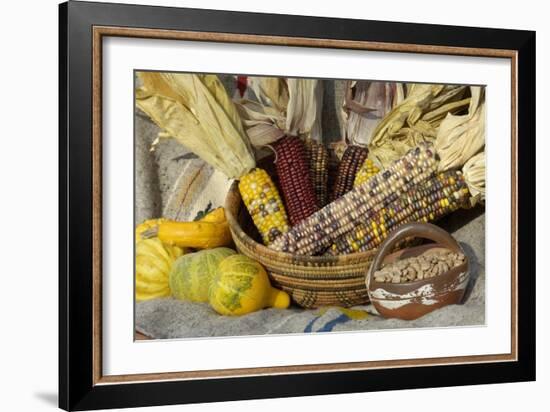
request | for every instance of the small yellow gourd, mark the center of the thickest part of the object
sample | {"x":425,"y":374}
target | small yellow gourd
{"x":241,"y":286}
{"x":153,"y":264}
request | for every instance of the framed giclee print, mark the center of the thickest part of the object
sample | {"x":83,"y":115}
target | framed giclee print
{"x":259,"y":205}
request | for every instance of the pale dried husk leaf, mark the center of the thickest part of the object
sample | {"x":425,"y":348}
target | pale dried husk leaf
{"x":264,"y":124}
{"x":364,"y":106}
{"x":197,"y":111}
{"x":303,"y":113}
{"x":448,"y":94}
{"x":400,"y":90}
{"x":262,"y":134}
{"x":418,"y":98}
{"x":270,"y":91}
{"x":416,"y":119}
{"x":474,"y":176}
{"x":283,"y":106}
{"x":459,"y":138}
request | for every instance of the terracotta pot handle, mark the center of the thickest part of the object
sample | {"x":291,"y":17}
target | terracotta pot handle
{"x":415,"y":229}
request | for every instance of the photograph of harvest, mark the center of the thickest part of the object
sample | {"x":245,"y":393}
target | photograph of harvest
{"x":275,"y":205}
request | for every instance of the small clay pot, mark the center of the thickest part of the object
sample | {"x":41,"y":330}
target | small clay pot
{"x":411,"y":300}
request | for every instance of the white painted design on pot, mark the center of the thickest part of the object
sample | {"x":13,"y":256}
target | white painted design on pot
{"x":423,"y":295}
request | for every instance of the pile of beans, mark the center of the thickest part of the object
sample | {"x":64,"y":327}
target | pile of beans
{"x":417,"y":268}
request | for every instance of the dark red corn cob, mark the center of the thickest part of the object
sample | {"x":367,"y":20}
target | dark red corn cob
{"x":317,"y":156}
{"x":352,"y":160}
{"x":294,"y":179}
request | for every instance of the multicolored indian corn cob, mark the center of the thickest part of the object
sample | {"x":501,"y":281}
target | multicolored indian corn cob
{"x":352,"y":160}
{"x":317,"y":156}
{"x":365,"y":172}
{"x":261,"y":198}
{"x":295,"y":181}
{"x":443,"y":193}
{"x":323,"y":228}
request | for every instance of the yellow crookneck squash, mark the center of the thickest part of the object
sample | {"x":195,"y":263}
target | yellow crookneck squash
{"x":209,"y":232}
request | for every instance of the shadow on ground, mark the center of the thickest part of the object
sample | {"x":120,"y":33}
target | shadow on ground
{"x":474,"y":270}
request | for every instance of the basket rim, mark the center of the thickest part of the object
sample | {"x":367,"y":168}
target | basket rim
{"x":234,"y":197}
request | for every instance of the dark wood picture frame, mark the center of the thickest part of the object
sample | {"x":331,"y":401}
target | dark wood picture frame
{"x":81,"y":29}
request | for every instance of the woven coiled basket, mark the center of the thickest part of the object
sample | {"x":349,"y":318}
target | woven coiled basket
{"x":311,"y":281}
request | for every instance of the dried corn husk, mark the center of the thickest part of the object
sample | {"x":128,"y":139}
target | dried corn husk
{"x":270,"y":91}
{"x":400,"y":94}
{"x":264,"y":124}
{"x":197,"y":112}
{"x":461,"y":137}
{"x":416,"y":119}
{"x":364,"y":106}
{"x":303,"y":113}
{"x":284,"y":106}
{"x":265,"y":119}
{"x":474,"y":175}
{"x":418,"y":99}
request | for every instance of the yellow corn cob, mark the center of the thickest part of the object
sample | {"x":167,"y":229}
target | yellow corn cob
{"x":262,"y":199}
{"x":367,"y":170}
